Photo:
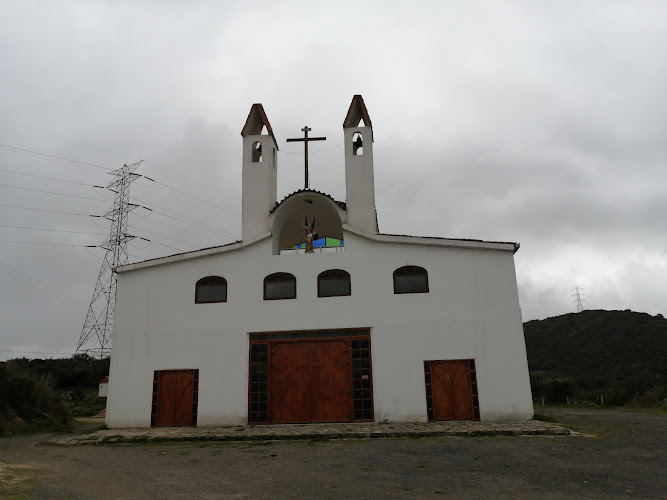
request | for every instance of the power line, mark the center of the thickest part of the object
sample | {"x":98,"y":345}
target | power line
{"x":41,"y":286}
{"x":189,"y":220}
{"x":47,"y":243}
{"x":192,"y":196}
{"x":54,"y":156}
{"x":310,"y":152}
{"x":43,"y":177}
{"x":210,"y":234}
{"x":45,"y":210}
{"x":37,"y":352}
{"x":158,"y":234}
{"x":158,"y":243}
{"x":105,"y":168}
{"x":16,"y":195}
{"x":54,"y":230}
{"x":53,"y":192}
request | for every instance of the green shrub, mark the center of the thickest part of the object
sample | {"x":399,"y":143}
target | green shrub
{"x":28,"y":400}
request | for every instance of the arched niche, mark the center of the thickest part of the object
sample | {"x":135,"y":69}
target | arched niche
{"x":287,"y":220}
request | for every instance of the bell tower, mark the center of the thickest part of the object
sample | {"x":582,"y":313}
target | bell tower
{"x":359,"y":178}
{"x":260,"y":166}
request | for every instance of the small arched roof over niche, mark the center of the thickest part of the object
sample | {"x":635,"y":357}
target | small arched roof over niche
{"x":287,"y":219}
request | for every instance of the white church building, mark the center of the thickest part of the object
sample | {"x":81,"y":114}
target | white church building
{"x":379,"y":328}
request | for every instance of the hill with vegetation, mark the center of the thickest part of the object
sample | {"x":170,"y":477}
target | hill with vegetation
{"x":46,"y":393}
{"x":605,"y":357}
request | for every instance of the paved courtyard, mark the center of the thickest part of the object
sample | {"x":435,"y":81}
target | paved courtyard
{"x":611,"y":454}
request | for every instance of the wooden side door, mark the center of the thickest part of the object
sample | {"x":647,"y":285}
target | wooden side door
{"x":175,"y":398}
{"x":289,"y":381}
{"x":452,"y":392}
{"x":331,"y":382}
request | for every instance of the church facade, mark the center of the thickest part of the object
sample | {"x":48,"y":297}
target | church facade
{"x":381,"y":328}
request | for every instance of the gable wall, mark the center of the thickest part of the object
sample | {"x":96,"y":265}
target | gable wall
{"x":471,"y":311}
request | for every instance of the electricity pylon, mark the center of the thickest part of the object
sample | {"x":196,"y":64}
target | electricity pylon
{"x":578,"y":297}
{"x":95,"y":339}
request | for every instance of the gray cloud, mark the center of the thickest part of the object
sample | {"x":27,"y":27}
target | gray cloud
{"x":519,"y":121}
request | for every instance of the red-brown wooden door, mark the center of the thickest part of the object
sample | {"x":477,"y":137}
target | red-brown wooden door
{"x":175,"y":398}
{"x":290,"y":383}
{"x":310,"y":382}
{"x":330,"y":382}
{"x":452,"y":391}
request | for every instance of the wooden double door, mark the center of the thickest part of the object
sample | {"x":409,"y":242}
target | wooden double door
{"x":310,"y":382}
{"x":451,"y":390}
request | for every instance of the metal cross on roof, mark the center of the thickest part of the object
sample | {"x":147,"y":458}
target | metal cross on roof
{"x":305,"y":139}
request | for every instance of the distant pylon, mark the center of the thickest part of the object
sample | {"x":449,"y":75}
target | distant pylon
{"x":95,"y":339}
{"x":578,"y":296}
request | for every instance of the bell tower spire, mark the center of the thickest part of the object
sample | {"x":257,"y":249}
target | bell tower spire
{"x":359,"y":177}
{"x":260,"y":173}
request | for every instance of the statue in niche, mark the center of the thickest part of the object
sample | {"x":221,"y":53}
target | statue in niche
{"x":310,"y":234}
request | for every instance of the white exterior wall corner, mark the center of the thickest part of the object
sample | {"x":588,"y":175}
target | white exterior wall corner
{"x":471,"y":311}
{"x":360,"y":181}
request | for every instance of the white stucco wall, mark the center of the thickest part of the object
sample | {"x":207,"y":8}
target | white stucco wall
{"x":471,"y":311}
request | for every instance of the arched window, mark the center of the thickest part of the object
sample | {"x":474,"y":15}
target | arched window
{"x":333,"y":283}
{"x":410,"y":279}
{"x":279,"y":286}
{"x":357,"y":144}
{"x":257,"y":152}
{"x":211,"y":289}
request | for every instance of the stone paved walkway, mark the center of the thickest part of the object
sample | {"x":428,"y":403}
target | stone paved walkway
{"x":310,"y":432}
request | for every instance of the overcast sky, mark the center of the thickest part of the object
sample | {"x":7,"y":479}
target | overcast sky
{"x":538,"y":122}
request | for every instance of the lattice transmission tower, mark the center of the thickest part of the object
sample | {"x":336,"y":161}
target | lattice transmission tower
{"x":95,"y":339}
{"x":578,"y":296}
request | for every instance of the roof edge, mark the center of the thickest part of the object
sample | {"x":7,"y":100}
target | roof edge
{"x":506,"y":246}
{"x":194,"y":254}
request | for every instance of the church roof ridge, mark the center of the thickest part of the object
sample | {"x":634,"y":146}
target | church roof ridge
{"x":341,"y":204}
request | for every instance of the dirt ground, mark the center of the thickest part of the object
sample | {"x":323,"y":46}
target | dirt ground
{"x":625,"y":459}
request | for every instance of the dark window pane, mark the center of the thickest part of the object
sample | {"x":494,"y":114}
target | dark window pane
{"x":216,"y":293}
{"x":411,"y":284}
{"x":280,"y":290}
{"x":211,"y":289}
{"x":334,"y":287}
